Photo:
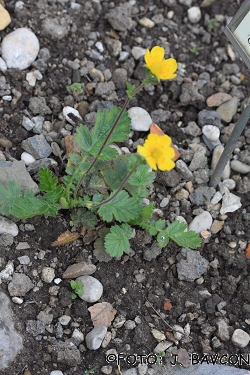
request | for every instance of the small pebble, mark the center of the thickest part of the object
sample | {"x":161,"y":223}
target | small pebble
{"x":27,"y":158}
{"x":146,"y":22}
{"x":48,"y":274}
{"x":140,"y":119}
{"x":201,"y":222}
{"x":8,"y":226}
{"x":67,"y":110}
{"x":240,"y":338}
{"x":211,"y":132}
{"x":194,"y":14}
{"x":239,"y":167}
{"x":5,"y":19}
{"x":92,"y":288}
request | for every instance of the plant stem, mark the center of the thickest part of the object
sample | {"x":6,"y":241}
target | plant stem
{"x":107,"y":138}
{"x":118,"y":190}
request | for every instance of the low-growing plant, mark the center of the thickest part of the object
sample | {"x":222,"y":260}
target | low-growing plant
{"x":194,"y":50}
{"x":75,"y":89}
{"x":77,"y":288}
{"x":102,"y":188}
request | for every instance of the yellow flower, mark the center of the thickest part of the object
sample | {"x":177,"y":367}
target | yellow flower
{"x":158,"y":66}
{"x":158,"y":152}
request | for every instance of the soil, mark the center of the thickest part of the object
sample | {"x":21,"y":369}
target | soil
{"x":230,"y":282}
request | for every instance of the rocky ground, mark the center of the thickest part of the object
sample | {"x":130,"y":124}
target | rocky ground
{"x":169,"y":302}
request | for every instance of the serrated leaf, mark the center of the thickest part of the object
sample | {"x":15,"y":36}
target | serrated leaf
{"x":108,"y":153}
{"x":144,"y":217}
{"x":117,"y":241}
{"x":47,"y":181}
{"x":104,"y":122}
{"x":55,"y":195}
{"x":75,"y":158}
{"x":85,"y":217}
{"x":100,"y":252}
{"x":83,"y":138}
{"x":94,"y":183}
{"x":121,"y":208}
{"x":162,"y":239}
{"x":115,"y":174}
{"x":187,"y":239}
{"x":142,"y":177}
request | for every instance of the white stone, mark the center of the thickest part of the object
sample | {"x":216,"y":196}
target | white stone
{"x":48,"y":274}
{"x":31,"y":79}
{"x":194,"y":14}
{"x":56,"y":372}
{"x":67,"y":110}
{"x":64,"y":319}
{"x":78,"y":335}
{"x":119,"y":321}
{"x":159,"y":336}
{"x":138,"y":52}
{"x":7,"y":272}
{"x":240,"y":338}
{"x":3,"y":66}
{"x":95,"y":337}
{"x":27,"y":158}
{"x":146,"y":22}
{"x":211,"y":132}
{"x":20,"y":48}
{"x":240,"y":167}
{"x":8,"y":226}
{"x":19,"y":5}
{"x":99,"y":46}
{"x":216,"y":198}
{"x":201,"y":222}
{"x":230,"y":202}
{"x":92,"y":288}
{"x":140,"y":119}
{"x":229,"y":183}
{"x":17,"y":300}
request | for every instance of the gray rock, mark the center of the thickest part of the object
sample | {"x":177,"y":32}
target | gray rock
{"x":211,"y":132}
{"x":138,"y":52}
{"x":244,"y":185}
{"x":19,"y":285}
{"x":190,"y":94}
{"x":17,"y":171}
{"x":20,"y":48}
{"x":192,"y":129}
{"x":48,"y":274}
{"x":152,"y":252}
{"x":211,"y":145}
{"x":228,"y":109}
{"x":191,"y":265}
{"x":104,"y":88}
{"x":37,"y":146}
{"x":66,"y":353}
{"x":95,"y":337}
{"x":52,"y":28}
{"x":6,"y":239}
{"x":131,"y":371}
{"x":119,"y":17}
{"x":223,"y":329}
{"x":209,"y":117}
{"x":114,"y":46}
{"x":40,"y":163}
{"x":35,"y":327}
{"x":201,"y":176}
{"x":39,"y":106}
{"x":171,"y":178}
{"x":45,"y":316}
{"x":229,"y":69}
{"x":160,"y":115}
{"x":120,"y":77}
{"x":202,"y":195}
{"x":11,"y":342}
{"x":92,"y":288}
{"x":24,"y":259}
{"x":8,"y":227}
{"x":199,"y":161}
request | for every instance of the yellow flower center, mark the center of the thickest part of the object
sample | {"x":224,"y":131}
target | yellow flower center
{"x":156,"y":153}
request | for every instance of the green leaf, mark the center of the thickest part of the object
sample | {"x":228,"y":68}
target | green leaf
{"x":130,"y":90}
{"x":108,"y":153}
{"x":142,"y":176}
{"x":162,"y":239}
{"x":121,"y":208}
{"x":26,"y":205}
{"x":94,"y":183}
{"x":117,"y":241}
{"x":83,"y":138}
{"x":115,"y":174}
{"x":47,"y":181}
{"x":75,"y":158}
{"x":144,"y":217}
{"x":55,"y":195}
{"x":85,"y":217}
{"x":176,"y":232}
{"x":105,"y":120}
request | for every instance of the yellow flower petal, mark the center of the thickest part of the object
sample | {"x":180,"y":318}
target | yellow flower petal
{"x":158,"y":152}
{"x":158,"y":66}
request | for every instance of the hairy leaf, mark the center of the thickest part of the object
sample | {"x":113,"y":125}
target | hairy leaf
{"x":47,"y":182}
{"x":142,"y":177}
{"x":117,"y":241}
{"x":175,"y":231}
{"x":83,"y":138}
{"x":85,"y":217}
{"x":114,"y":174}
{"x":121,"y":208}
{"x":144,"y":216}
